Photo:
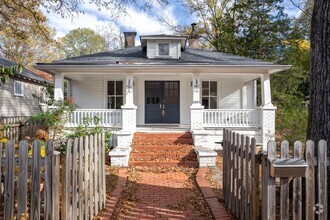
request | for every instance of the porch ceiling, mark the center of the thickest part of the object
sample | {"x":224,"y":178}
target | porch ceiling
{"x":242,"y":76}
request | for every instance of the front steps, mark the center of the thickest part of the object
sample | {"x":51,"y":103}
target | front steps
{"x":163,"y":149}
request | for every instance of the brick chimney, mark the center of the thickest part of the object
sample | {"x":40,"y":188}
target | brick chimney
{"x":129,"y":39}
{"x":193,"y":38}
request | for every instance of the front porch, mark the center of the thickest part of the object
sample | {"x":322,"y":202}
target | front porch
{"x":207,"y":129}
{"x":202,"y":103}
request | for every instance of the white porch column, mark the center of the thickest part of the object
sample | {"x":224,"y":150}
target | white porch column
{"x":267,"y":112}
{"x":59,"y":86}
{"x":196,"y":109}
{"x":129,"y":109}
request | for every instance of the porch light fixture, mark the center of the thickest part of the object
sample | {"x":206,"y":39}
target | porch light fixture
{"x":196,"y":84}
{"x":129,"y":85}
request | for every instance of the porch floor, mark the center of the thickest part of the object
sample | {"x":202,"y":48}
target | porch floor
{"x":162,"y":128}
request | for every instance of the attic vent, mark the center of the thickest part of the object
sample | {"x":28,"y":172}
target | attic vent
{"x":164,"y":49}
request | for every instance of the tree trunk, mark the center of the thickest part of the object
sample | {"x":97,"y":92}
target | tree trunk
{"x":319,"y":104}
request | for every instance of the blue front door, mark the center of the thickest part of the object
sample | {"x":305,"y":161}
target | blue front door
{"x":162,"y":102}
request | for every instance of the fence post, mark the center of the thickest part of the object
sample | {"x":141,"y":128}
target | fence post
{"x":297,"y":195}
{"x":310,"y":186}
{"x":269,"y":210}
{"x":20,"y":131}
{"x":49,"y":163}
{"x":55,"y":186}
{"x":35,"y":188}
{"x":233,"y":208}
{"x":253,"y":180}
{"x":284,"y":182}
{"x":9,"y":180}
{"x":247,"y":177}
{"x":224,"y":167}
{"x":322,"y":179}
{"x":242,"y":155}
{"x":237,"y":150}
{"x":22,"y":178}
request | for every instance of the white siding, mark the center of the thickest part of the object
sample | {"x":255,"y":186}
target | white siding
{"x":174,"y":50}
{"x":231,"y":94}
{"x":250,"y":102}
{"x":89,"y":93}
{"x":152,"y":48}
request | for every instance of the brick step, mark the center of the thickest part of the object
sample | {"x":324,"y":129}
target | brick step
{"x":163,"y":141}
{"x":163,"y":156}
{"x":160,"y":149}
{"x":162,"y":135}
{"x":172,"y":163}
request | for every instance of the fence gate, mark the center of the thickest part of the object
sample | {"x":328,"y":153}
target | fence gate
{"x":274,"y":185}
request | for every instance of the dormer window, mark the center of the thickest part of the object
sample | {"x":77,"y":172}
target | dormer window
{"x":164,"y":49}
{"x":163,"y":46}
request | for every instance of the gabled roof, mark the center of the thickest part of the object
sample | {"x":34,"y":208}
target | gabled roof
{"x":25,"y":74}
{"x":136,"y":56}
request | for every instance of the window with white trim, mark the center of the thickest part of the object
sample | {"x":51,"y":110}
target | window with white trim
{"x":18,"y":88}
{"x":115,"y":94}
{"x":210,"y":94}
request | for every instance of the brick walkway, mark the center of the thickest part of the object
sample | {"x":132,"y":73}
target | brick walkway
{"x":165,"y":196}
{"x":168,"y":195}
{"x":218,"y":210}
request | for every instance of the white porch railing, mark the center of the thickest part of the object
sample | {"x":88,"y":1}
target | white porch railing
{"x":109,"y":117}
{"x":231,"y":118}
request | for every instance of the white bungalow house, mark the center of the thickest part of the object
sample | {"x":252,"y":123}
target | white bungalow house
{"x":164,"y":83}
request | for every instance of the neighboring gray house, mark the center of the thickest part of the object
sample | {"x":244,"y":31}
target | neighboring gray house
{"x":16,"y":95}
{"x":166,"y":84}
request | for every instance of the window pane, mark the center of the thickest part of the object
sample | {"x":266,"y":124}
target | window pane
{"x":111,"y":102}
{"x":111,"y":87}
{"x":205,"y":102}
{"x":213,"y":103}
{"x":163,"y":49}
{"x":119,"y":102}
{"x":119,"y":87}
{"x":213,"y":88}
{"x":205,"y":88}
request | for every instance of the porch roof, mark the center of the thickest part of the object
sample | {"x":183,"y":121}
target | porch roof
{"x":135,"y":58}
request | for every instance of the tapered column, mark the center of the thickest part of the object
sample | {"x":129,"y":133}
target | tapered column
{"x":59,"y":86}
{"x":129,"y":109}
{"x":267,"y":112}
{"x":196,"y":109}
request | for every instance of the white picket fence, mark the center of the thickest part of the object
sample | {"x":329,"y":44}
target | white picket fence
{"x":231,"y":118}
{"x":109,"y":117}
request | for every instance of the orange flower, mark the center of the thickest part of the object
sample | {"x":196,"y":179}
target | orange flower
{"x":69,"y":100}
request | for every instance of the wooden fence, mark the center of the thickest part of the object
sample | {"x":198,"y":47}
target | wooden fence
{"x":84,"y":177}
{"x":240,"y":175}
{"x":30,"y":180}
{"x":251,"y":192}
{"x":35,"y":182}
{"x":18,"y":127}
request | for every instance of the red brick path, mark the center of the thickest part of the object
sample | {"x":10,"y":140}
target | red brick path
{"x":158,"y":193}
{"x":111,"y":200}
{"x":218,"y":210}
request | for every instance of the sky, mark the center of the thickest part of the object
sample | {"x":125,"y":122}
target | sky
{"x":142,"y":22}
